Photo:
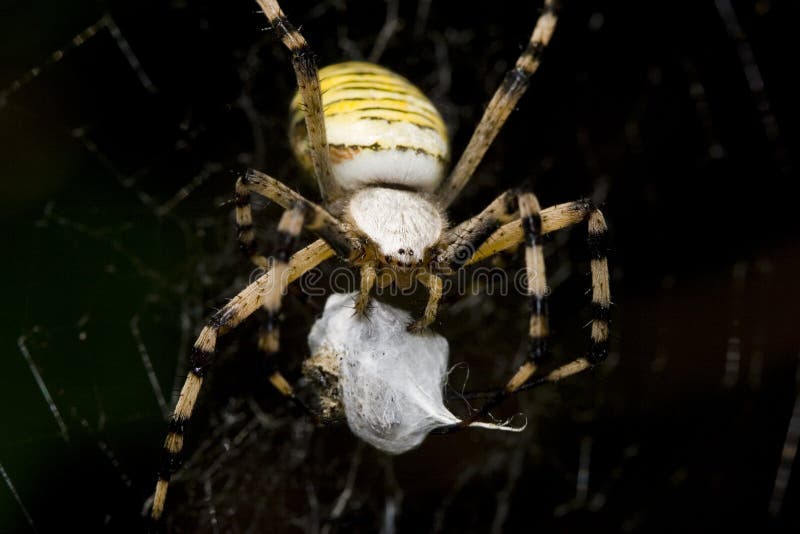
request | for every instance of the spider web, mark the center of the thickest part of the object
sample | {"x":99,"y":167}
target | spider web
{"x":121,"y":147}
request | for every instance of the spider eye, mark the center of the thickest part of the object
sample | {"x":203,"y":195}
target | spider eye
{"x":401,"y":251}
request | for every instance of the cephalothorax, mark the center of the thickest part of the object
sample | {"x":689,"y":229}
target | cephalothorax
{"x":379,"y":152}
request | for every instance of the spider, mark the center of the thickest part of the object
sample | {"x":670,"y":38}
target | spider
{"x":378,"y":149}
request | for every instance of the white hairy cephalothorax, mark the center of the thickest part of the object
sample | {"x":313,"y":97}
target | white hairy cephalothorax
{"x":390,"y":382}
{"x":403,"y":224}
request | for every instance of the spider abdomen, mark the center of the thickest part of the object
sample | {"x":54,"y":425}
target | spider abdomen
{"x":380,"y":128}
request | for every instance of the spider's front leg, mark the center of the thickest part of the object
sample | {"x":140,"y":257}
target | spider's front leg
{"x":317,"y":218}
{"x":434,"y":285}
{"x":305,"y":69}
{"x":368,"y":278}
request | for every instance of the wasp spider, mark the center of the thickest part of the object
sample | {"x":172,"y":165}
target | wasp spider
{"x":379,"y":150}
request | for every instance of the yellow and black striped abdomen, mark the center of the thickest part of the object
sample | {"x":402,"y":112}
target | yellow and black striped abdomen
{"x":381,"y":129}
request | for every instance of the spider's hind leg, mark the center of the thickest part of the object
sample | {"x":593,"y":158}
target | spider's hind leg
{"x":483,"y":236}
{"x":245,"y":232}
{"x":289,"y":228}
{"x":597,"y":242}
{"x":368,"y":278}
{"x":267,"y":288}
{"x":288,"y":231}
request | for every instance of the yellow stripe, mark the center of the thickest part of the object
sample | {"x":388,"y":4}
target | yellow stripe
{"x":356,"y":91}
{"x":348,"y":105}
{"x":386,"y":99}
{"x":369,"y":83}
{"x":390,"y":115}
{"x":332,"y":81}
{"x":357,"y":101}
{"x":335,"y":78}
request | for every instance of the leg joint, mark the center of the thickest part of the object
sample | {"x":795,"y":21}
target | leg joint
{"x":199,"y":360}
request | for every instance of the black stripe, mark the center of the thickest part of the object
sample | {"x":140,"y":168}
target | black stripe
{"x":418,"y":150}
{"x":285,"y":246}
{"x":394,"y":121}
{"x":378,"y":108}
{"x":301,"y":122}
{"x":304,"y":52}
{"x":282,"y":26}
{"x":248,"y":177}
{"x":534,"y":50}
{"x":532,"y":223}
{"x":268,"y":364}
{"x":598,"y":245}
{"x":515,"y":80}
{"x":170,"y":462}
{"x":199,"y":360}
{"x":337,"y":240}
{"x":177,"y":425}
{"x":532,"y":226}
{"x":222,"y":317}
{"x":510,"y":203}
{"x":286,"y":240}
{"x":241,"y":199}
{"x":248,"y":248}
{"x":377,"y":148}
{"x":242,"y":228}
{"x":398,"y":187}
{"x":537,"y":349}
{"x":538,"y":306}
{"x":598,"y":352}
{"x":600,"y":312}
{"x":466,"y":250}
{"x":583,"y":206}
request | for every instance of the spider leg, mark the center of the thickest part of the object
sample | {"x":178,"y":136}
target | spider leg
{"x":500,"y":106}
{"x":483,"y":236}
{"x":538,"y":330}
{"x":601,"y":311}
{"x":266,"y":288}
{"x":434,"y":285}
{"x":244,"y":226}
{"x":368,"y":277}
{"x":490,"y":232}
{"x":289,"y":228}
{"x":461,"y":242}
{"x":288,"y":231}
{"x":318,"y":219}
{"x":466,"y":237}
{"x":305,"y":69}
{"x":511,"y":234}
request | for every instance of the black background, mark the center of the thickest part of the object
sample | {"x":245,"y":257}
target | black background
{"x":647,"y":107}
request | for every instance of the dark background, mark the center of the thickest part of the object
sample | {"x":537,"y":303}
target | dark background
{"x":654,"y":109}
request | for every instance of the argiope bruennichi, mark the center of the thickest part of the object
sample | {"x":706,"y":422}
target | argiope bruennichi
{"x":379,"y":151}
